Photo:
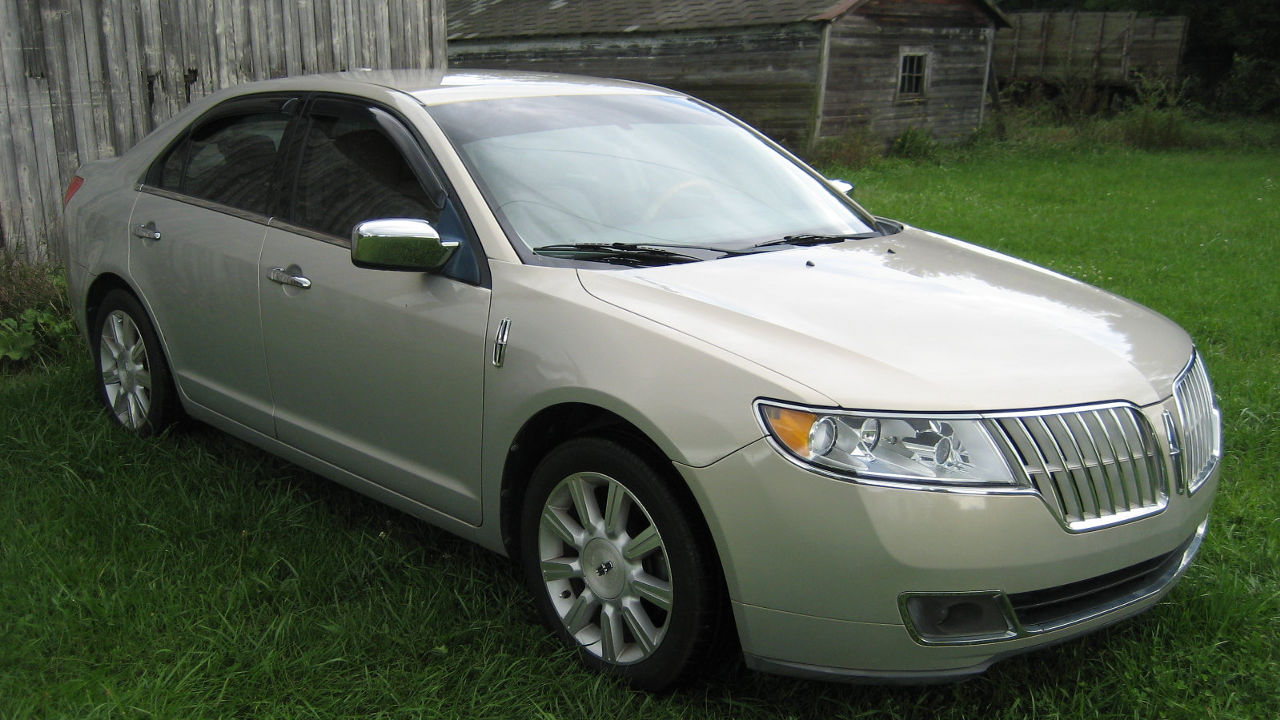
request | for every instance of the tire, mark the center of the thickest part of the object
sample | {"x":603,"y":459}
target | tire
{"x":617,"y":566}
{"x":133,"y":376}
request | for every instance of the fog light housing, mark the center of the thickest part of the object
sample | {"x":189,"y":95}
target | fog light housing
{"x":958,"y":618}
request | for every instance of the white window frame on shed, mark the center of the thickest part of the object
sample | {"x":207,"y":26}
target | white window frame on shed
{"x":922,"y":74}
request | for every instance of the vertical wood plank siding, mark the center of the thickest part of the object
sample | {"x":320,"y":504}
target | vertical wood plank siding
{"x":1106,"y":48}
{"x":766,"y":75}
{"x":85,"y":79}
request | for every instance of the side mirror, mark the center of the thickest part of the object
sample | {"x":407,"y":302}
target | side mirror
{"x":844,"y":186}
{"x":399,"y":244}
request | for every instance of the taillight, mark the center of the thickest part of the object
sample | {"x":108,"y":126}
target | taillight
{"x":76,"y":182}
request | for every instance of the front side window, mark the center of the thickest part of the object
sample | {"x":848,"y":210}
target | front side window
{"x":353,"y":171}
{"x":228,"y":159}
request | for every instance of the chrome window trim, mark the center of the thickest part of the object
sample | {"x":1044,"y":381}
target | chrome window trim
{"x":260,"y":218}
{"x":280,"y":223}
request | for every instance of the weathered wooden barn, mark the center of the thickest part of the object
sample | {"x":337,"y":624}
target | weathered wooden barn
{"x":1112,"y":49}
{"x":86,"y":79}
{"x":799,"y":70}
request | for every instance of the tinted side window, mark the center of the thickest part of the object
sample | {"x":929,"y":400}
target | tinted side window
{"x":352,"y":171}
{"x":228,"y":160}
{"x":169,"y":176}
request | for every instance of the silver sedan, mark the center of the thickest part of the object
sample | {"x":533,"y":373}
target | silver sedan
{"x":693,"y":389}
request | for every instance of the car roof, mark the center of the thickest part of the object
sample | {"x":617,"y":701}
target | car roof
{"x":425,"y":87}
{"x":436,"y":87}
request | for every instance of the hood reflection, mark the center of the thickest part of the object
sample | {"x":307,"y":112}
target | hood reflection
{"x":960,"y":322}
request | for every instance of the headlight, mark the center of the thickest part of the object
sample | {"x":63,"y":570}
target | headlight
{"x":931,"y":450}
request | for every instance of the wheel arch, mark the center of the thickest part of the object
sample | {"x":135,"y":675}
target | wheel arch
{"x":102,"y":286}
{"x":564,"y":421}
{"x":98,"y":289}
{"x":556,"y":424}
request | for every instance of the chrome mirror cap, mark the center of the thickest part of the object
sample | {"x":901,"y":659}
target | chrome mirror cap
{"x":400,"y":244}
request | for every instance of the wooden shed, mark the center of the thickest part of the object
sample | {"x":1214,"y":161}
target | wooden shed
{"x":797,"y":69}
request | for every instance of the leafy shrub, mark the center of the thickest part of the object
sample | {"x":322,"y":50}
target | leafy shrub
{"x":1157,"y":129}
{"x":1158,"y":118}
{"x":915,"y":143}
{"x":1252,"y":87}
{"x":33,"y":331}
{"x":35,"y":319}
{"x":857,"y":148}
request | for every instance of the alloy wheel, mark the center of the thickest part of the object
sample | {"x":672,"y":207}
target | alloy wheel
{"x":126,"y":370}
{"x":605,"y":568}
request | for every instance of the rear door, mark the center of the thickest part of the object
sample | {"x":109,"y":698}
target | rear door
{"x":377,"y":372}
{"x":197,"y":232}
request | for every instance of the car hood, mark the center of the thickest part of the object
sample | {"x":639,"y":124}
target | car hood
{"x":913,"y":321}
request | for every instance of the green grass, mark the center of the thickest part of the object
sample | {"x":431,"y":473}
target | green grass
{"x":191,"y":576}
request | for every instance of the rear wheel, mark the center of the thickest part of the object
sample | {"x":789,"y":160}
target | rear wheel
{"x":616,"y":564}
{"x":133,"y":376}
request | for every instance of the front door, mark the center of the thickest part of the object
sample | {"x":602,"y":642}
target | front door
{"x":377,"y":372}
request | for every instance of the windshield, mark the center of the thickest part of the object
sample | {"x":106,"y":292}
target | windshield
{"x":636,"y":169}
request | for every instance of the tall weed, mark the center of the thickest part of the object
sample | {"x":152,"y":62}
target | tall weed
{"x":855,"y":149}
{"x":1252,"y":87}
{"x":35,"y":317}
{"x":1159,"y":118}
{"x":915,"y":143}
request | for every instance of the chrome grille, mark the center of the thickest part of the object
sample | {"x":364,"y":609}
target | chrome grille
{"x":1200,"y":440}
{"x":1093,"y":467}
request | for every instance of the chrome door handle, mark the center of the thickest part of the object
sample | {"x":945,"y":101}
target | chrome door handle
{"x":146,"y":231}
{"x":285,"y":277}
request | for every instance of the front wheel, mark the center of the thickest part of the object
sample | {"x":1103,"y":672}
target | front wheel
{"x":133,"y":377}
{"x":616,"y":564}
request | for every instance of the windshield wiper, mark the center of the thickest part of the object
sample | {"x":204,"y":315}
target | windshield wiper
{"x":808,"y":240}
{"x":636,"y":254}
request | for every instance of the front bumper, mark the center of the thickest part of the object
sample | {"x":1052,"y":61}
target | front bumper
{"x":817,"y":567}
